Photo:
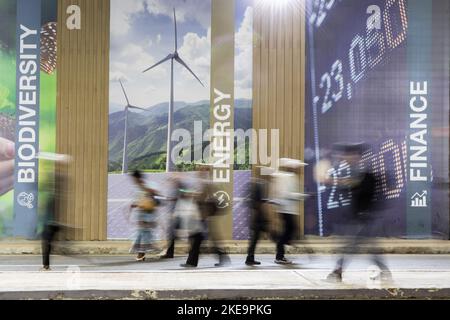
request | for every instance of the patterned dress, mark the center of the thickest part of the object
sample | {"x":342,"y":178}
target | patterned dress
{"x":144,"y":238}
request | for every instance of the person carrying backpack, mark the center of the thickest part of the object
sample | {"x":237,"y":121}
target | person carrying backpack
{"x":145,"y":207}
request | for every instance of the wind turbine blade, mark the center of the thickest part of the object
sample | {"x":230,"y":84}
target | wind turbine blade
{"x":134,"y":107}
{"x":180,"y":61}
{"x":124,"y":93}
{"x":170,"y":56}
{"x":176,"y":33}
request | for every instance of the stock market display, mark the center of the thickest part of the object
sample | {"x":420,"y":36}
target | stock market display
{"x":378,"y":73}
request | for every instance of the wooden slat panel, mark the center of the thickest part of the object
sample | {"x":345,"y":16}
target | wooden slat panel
{"x":264,"y":109}
{"x":272,"y":78}
{"x":257,"y":48}
{"x":302,"y":106}
{"x":82,"y":113}
{"x":288,"y":94}
{"x":90,"y":222}
{"x":280,"y":114}
{"x":103,"y":154}
{"x":279,"y":84}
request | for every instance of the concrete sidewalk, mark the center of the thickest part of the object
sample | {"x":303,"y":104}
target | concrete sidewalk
{"x":329,"y":245}
{"x":119,"y":277}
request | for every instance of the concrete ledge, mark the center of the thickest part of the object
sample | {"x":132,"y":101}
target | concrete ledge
{"x":313,"y":245}
{"x":238,"y":294}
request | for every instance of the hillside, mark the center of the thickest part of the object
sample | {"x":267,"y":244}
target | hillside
{"x":148,"y":131}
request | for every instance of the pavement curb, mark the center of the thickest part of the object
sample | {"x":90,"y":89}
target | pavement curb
{"x":325,"y":246}
{"x":238,"y":294}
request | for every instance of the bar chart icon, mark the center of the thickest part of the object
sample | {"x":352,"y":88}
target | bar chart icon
{"x":419,"y":200}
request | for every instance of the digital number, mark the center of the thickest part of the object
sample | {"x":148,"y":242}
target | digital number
{"x":332,"y":204}
{"x":392,"y":41}
{"x":386,"y":147}
{"x":377,"y":162}
{"x":365,"y":52}
{"x":358,"y":61}
{"x":320,"y":8}
{"x":336,"y":73}
{"x":374,"y":39}
{"x":326,"y":81}
{"x":337,"y":198}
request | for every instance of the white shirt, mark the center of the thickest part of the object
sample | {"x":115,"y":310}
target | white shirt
{"x":189,"y":213}
{"x":285,"y":191}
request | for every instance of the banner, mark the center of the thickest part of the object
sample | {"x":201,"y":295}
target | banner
{"x":27,"y":109}
{"x":176,"y":71}
{"x":378,"y":72}
{"x":222,"y":105}
{"x":27,"y":116}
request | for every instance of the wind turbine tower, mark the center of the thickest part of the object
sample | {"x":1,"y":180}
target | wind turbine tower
{"x":170,"y":166}
{"x":125,"y":133}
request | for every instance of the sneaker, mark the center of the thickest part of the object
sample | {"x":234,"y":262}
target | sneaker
{"x":222,"y":264}
{"x":45,"y":268}
{"x":223,"y":261}
{"x":334,"y":277}
{"x":283,"y":261}
{"x":252,"y":263}
{"x":187,"y":265}
{"x":386,"y":277}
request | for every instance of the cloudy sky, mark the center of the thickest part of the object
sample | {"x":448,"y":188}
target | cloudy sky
{"x":142,"y":33}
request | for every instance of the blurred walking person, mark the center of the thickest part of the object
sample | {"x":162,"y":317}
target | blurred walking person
{"x":174,"y":223}
{"x":359,"y":219}
{"x":55,"y":191}
{"x":192,"y":224}
{"x":286,"y":195}
{"x":212,"y":213}
{"x":145,"y":211}
{"x":258,"y":218}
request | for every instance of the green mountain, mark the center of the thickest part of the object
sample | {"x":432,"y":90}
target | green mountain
{"x":148,"y":132}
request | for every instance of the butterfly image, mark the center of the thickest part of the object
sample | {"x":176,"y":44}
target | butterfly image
{"x":48,"y":47}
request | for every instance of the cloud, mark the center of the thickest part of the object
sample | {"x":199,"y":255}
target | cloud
{"x":133,"y":58}
{"x":244,"y":56}
{"x":244,"y":35}
{"x":150,"y":89}
{"x":196,"y":52}
{"x":130,"y":56}
{"x":115,"y":76}
{"x":127,"y":64}
{"x":121,"y":12}
{"x":192,"y":10}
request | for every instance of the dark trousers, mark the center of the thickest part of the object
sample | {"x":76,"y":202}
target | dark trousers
{"x":195,"y":241}
{"x":254,"y":237}
{"x":222,"y":255}
{"x":358,"y":231}
{"x":214,"y":236}
{"x":259,"y":225}
{"x":172,"y":237}
{"x":286,"y":236}
{"x":171,"y":249}
{"x":47,"y":238}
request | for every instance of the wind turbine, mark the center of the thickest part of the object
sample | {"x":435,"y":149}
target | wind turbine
{"x":170,"y":166}
{"x":125,"y":135}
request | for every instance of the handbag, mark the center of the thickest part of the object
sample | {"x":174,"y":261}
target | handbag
{"x":147,"y":203}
